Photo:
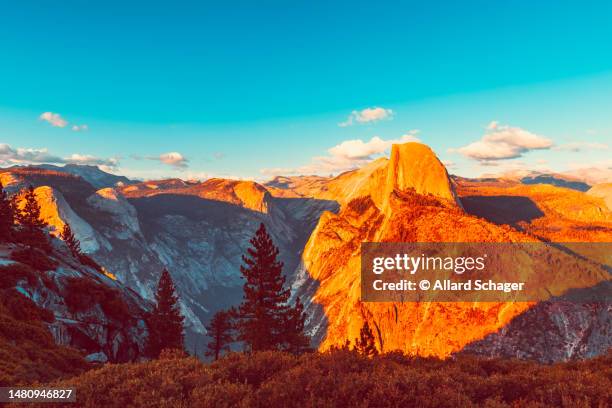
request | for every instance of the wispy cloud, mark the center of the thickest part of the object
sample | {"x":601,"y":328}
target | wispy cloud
{"x":91,"y":160}
{"x":581,"y":146}
{"x":174,"y":159}
{"x":23,"y":156}
{"x":54,"y":119}
{"x":346,"y":155}
{"x":80,"y":128}
{"x":367,"y":115}
{"x":502,"y":142}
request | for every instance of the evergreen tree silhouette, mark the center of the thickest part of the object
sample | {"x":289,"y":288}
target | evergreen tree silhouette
{"x":366,"y":343}
{"x":165,"y":321}
{"x":220,"y":330}
{"x":296,"y":340}
{"x":262,"y":314}
{"x":32,"y":227}
{"x":73,"y":244}
{"x":7,"y":216}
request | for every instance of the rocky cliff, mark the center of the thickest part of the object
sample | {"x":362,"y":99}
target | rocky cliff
{"x":199,"y":230}
{"x":89,"y":310}
{"x":414,"y":201}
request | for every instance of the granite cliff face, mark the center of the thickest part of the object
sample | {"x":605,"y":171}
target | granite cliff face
{"x":414,"y":166}
{"x":91,"y":311}
{"x":406,"y":205}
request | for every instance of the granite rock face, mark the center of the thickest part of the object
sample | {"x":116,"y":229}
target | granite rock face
{"x":105,"y":328}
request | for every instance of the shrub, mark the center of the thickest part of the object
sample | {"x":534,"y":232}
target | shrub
{"x":10,"y":275}
{"x":252,"y":369}
{"x":89,"y":261}
{"x":83,"y":293}
{"x":34,"y":258}
{"x":345,"y":378}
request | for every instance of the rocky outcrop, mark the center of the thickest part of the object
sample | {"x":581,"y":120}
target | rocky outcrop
{"x":602,"y":191}
{"x":56,"y":212}
{"x":551,"y":332}
{"x":123,"y":220}
{"x":92,"y":312}
{"x":415,"y":166}
{"x":412,"y":166}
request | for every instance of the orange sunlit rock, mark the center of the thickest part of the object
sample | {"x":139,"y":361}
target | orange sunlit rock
{"x":409,"y":198}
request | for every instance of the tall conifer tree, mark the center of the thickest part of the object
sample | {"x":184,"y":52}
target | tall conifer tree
{"x":220,"y":330}
{"x":165,"y":321}
{"x":7,"y":217}
{"x":366,"y":344}
{"x":32,"y":227}
{"x":296,"y":340}
{"x":73,"y":244}
{"x":262,"y":313}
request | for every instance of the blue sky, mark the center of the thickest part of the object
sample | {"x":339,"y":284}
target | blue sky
{"x":252,"y":89}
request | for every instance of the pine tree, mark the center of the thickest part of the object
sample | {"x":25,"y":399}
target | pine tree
{"x":73,"y":244}
{"x":296,"y":340}
{"x":220,"y":330}
{"x":32,"y":227}
{"x":366,"y":343}
{"x":7,"y":216}
{"x":165,"y":321}
{"x":262,"y":313}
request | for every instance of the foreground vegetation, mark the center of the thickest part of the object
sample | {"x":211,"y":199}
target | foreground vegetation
{"x":344,"y":378}
{"x":28,"y":352}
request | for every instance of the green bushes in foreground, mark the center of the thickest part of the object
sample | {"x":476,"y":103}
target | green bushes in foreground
{"x":345,"y":379}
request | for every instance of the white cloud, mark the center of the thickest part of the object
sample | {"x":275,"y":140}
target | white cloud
{"x":22,"y":156}
{"x":581,"y":146}
{"x":174,"y":159}
{"x":347,"y":155}
{"x":10,"y":156}
{"x":367,"y":115}
{"x":54,"y":119}
{"x":90,"y":160}
{"x":202,"y":175}
{"x":80,"y":128}
{"x":502,"y":142}
{"x":358,"y":149}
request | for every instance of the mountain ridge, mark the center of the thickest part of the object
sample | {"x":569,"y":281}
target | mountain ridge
{"x":199,"y":230}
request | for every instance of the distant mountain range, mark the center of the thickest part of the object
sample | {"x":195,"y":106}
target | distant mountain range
{"x":199,"y":230}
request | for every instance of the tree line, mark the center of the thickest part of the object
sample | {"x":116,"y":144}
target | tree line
{"x":265,"y":320}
